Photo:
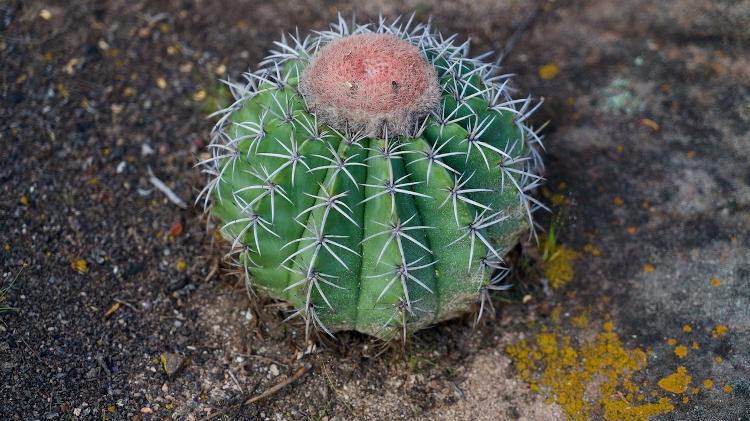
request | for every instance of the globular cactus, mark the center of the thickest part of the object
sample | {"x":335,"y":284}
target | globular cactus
{"x":374,"y":177}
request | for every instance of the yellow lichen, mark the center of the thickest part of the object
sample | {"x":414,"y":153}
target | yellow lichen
{"x":618,"y":201}
{"x":592,"y":250}
{"x":648,"y":268}
{"x":591,"y":375}
{"x":681,"y":351}
{"x":548,"y":71}
{"x":557,"y":260}
{"x":555,"y":315}
{"x":580,"y":321}
{"x":567,"y":375}
{"x":81,"y":266}
{"x":715,"y":282}
{"x":676,"y":382}
{"x":559,"y":268}
{"x":163,"y":361}
{"x":719,"y":331}
{"x":558,"y":199}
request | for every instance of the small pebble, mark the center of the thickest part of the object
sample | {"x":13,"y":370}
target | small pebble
{"x":172,"y":363}
{"x":273,"y":370}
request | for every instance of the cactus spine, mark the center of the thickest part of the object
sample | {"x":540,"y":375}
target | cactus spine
{"x":374,"y":177}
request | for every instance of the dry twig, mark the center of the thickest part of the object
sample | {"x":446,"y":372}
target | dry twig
{"x":171,"y":195}
{"x":271,"y":391}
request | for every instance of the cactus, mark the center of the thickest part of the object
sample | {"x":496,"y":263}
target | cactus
{"x":374,"y":176}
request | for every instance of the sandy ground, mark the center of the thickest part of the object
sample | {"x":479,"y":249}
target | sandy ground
{"x":647,"y":150}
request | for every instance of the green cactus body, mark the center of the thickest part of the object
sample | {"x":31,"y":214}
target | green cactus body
{"x":362,"y":229}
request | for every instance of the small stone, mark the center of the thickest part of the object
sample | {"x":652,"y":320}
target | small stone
{"x":651,"y":124}
{"x":69,"y":67}
{"x":146,"y":150}
{"x":172,"y":363}
{"x":45,"y":14}
{"x":199,"y":95}
{"x":544,"y":309}
{"x":273,"y":370}
{"x":175,"y":230}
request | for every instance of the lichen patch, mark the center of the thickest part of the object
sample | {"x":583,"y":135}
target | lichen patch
{"x":594,"y":377}
{"x":676,"y":382}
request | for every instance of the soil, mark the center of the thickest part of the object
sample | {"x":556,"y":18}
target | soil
{"x":124,"y":311}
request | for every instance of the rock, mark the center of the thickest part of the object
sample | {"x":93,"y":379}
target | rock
{"x":172,"y":363}
{"x":273,"y":370}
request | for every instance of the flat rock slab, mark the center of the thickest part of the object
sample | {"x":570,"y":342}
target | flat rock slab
{"x":648,"y":152}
